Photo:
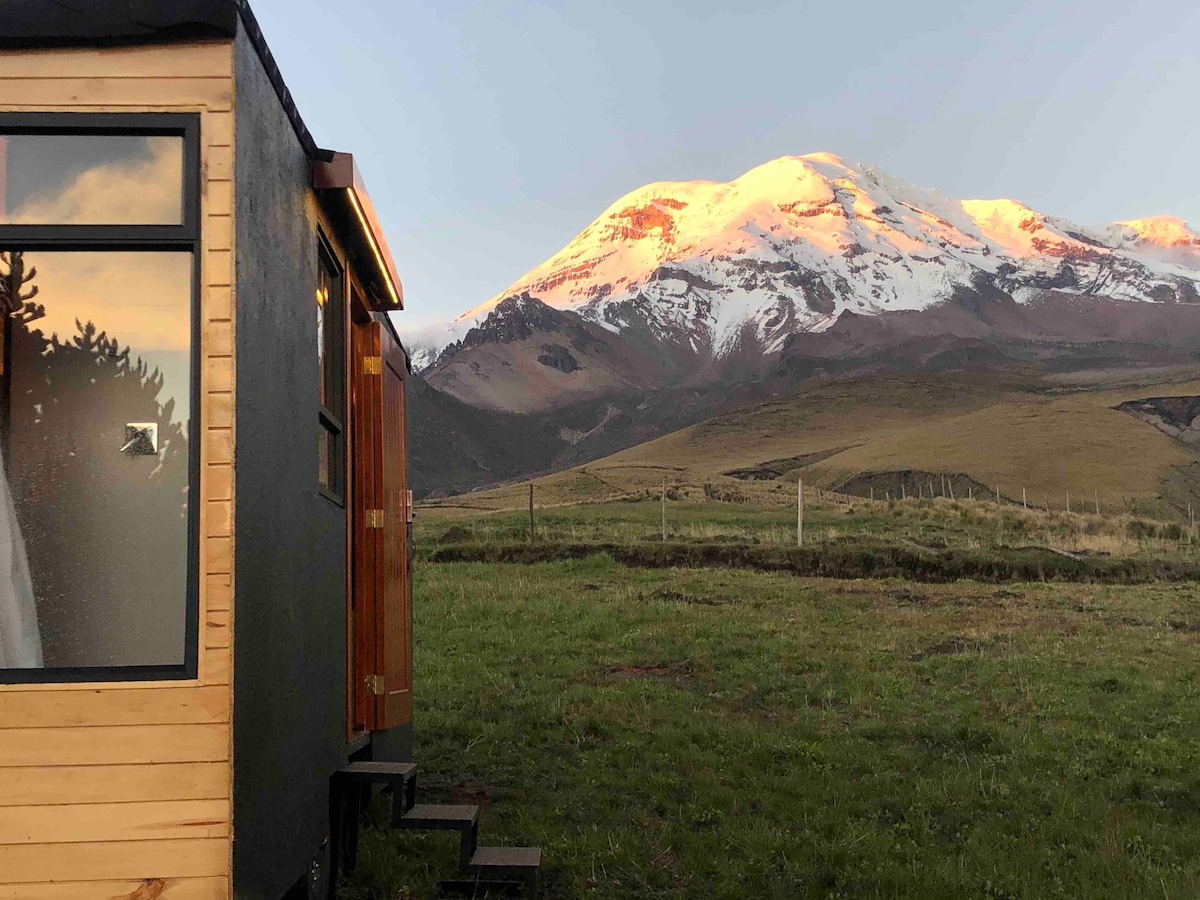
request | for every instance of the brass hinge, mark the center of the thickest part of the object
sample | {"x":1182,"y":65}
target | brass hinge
{"x":376,"y":685}
{"x":372,"y":365}
{"x":374,"y":518}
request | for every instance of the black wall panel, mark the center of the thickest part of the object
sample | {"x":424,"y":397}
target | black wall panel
{"x":289,"y":635}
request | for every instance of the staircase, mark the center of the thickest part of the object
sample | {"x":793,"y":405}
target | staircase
{"x":501,"y":867}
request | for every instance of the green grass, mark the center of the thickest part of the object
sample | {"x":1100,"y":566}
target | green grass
{"x":936,"y":524}
{"x":720,"y":733}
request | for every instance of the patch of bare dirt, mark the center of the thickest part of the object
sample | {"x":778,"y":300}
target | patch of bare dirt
{"x":950,"y":646}
{"x":670,"y":596}
{"x":469,"y":791}
{"x":680,"y":674}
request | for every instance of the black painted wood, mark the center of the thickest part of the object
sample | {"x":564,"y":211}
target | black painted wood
{"x":289,"y":704}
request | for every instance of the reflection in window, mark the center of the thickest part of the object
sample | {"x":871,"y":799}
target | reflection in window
{"x":95,"y":400}
{"x":331,"y":363}
{"x":78,"y":179}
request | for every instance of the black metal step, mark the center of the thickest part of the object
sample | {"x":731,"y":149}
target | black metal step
{"x":505,"y":860}
{"x":378,"y":772}
{"x":440,"y":815}
{"x":350,"y":791}
{"x":399,"y":777}
{"x":506,"y":866}
{"x":460,"y":817}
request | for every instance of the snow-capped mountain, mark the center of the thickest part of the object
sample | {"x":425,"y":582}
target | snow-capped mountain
{"x":788,"y":247}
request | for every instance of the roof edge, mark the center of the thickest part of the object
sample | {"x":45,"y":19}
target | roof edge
{"x":49,"y":24}
{"x":339,"y":174}
{"x":259,"y":42}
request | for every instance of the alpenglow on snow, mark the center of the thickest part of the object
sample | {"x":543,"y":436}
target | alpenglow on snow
{"x":793,"y":243}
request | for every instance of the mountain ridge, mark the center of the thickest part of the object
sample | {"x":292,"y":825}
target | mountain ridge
{"x":785,"y":248}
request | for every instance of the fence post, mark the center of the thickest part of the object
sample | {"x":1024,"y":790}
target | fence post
{"x":531,"y":530}
{"x":800,"y":513}
{"x":664,"y":509}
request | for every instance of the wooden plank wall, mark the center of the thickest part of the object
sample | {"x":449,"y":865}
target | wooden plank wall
{"x":123,"y":790}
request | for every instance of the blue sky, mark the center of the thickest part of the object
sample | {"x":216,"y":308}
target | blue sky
{"x":490,"y":133}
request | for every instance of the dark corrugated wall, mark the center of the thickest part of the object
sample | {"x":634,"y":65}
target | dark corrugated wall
{"x":289,"y":621}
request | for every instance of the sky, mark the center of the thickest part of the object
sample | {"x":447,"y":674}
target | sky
{"x":491,"y":132}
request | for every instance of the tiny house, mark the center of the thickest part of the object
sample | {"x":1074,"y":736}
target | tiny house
{"x":204,"y":518}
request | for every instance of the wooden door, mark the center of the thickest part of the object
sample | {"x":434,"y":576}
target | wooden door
{"x":394,"y":613}
{"x":382,"y":590}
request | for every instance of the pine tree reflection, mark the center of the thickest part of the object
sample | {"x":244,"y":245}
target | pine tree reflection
{"x":20,"y":636}
{"x":105,"y":532}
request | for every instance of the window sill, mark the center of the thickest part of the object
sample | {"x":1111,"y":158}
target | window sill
{"x":97,"y":677}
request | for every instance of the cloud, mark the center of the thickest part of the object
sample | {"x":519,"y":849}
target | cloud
{"x":146,"y":191}
{"x":141,"y":297}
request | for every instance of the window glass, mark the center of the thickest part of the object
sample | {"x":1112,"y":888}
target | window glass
{"x":329,"y":335}
{"x":327,"y":458}
{"x":331,"y":362}
{"x":77,"y":179}
{"x":95,"y":403}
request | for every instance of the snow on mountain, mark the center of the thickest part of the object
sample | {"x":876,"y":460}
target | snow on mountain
{"x":793,"y":243}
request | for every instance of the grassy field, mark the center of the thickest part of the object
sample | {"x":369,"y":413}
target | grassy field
{"x":696,"y":717}
{"x":724,"y":732}
{"x":685,"y":733}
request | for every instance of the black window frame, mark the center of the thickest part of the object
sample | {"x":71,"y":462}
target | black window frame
{"x":330,"y":421}
{"x":182,"y":237}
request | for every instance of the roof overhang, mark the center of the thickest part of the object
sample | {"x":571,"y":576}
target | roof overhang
{"x":35,"y":24}
{"x":338,"y":182}
{"x":49,"y":23}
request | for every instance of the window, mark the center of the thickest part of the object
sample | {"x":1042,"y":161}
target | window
{"x":331,"y":364}
{"x":92,"y":179}
{"x":98,"y":442}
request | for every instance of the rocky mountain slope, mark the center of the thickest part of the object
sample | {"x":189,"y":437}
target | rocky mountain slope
{"x":683,"y":301}
{"x":687,"y":282}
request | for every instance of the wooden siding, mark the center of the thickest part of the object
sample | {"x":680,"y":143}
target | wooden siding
{"x":122,"y":790}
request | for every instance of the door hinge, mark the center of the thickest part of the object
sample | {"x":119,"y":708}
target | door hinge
{"x":410,"y":513}
{"x":376,"y":685}
{"x":372,"y":365}
{"x":374,"y":518}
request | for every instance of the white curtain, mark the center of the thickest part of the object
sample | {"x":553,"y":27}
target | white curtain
{"x":20,"y":639}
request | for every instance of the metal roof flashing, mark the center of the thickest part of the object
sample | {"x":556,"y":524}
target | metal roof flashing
{"x":338,"y":180}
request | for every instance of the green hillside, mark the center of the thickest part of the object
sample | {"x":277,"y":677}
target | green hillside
{"x":1037,"y":441}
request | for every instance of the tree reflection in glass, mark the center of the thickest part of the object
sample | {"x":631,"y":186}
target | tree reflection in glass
{"x":105,"y":531}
